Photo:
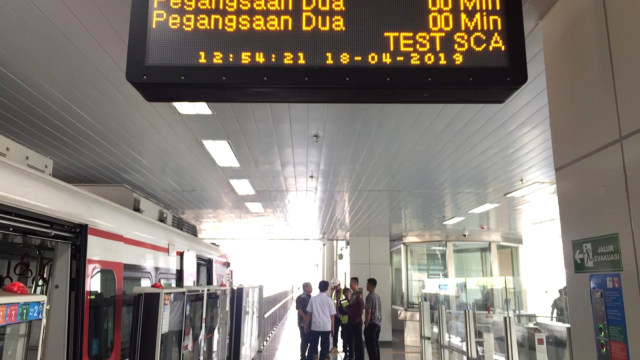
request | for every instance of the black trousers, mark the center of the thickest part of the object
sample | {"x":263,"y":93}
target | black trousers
{"x":336,"y":328}
{"x":346,"y":341}
{"x":323,"y":338}
{"x":304,"y":343}
{"x":357,"y":344}
{"x":372,"y":339}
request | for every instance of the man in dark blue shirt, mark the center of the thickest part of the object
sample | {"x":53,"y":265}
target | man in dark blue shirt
{"x":302,"y":302}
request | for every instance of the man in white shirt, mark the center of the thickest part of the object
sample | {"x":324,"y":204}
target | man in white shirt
{"x":321,"y":316}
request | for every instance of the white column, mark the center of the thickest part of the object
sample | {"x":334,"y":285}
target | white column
{"x":329,"y":260}
{"x":592,"y":61}
{"x":371,"y":258}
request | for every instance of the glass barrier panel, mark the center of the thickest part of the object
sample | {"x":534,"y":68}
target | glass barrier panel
{"x":456,"y":332}
{"x":490,"y":336}
{"x":486,"y":294}
{"x":557,"y":340}
{"x":429,"y":331}
{"x":211,"y":324}
{"x":192,"y":339}
{"x":171,"y":338}
{"x":15,"y":340}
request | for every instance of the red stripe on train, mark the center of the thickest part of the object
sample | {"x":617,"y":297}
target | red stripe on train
{"x":125,"y":240}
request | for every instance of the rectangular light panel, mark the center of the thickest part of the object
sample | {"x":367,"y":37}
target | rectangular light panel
{"x":221,"y":152}
{"x":192,"y":108}
{"x":452,"y":221}
{"x":242,"y":186}
{"x":483,"y":208}
{"x":255,"y":207}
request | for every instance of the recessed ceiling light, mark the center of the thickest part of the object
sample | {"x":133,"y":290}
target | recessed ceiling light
{"x":192,"y":108}
{"x":528,"y":190}
{"x":254,"y":207}
{"x":454,"y":220}
{"x":242,"y":186}
{"x":483,"y":208}
{"x":221,"y":152}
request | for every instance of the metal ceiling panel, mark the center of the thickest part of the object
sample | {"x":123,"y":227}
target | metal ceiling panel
{"x":374,"y":169}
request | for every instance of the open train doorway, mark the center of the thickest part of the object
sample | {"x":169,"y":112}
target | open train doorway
{"x":47,"y":256}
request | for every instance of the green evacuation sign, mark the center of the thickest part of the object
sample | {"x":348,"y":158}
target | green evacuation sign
{"x":597,"y":254}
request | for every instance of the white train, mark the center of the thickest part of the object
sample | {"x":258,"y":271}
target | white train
{"x":86,"y":254}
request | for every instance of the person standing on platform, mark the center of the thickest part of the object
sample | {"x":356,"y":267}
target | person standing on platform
{"x":319,"y":320}
{"x":356,"y":307}
{"x":344,"y":317}
{"x":337,"y":297}
{"x":559,"y":306}
{"x":373,"y":319}
{"x":302,"y":302}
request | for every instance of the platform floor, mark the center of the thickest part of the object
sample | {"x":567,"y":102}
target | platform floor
{"x":285,"y":344}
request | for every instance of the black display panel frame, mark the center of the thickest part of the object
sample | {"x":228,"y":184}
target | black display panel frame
{"x":327,"y":84}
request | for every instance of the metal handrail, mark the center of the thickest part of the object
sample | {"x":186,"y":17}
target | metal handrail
{"x":277,"y":306}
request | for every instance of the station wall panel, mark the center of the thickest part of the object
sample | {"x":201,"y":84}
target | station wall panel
{"x":578,"y":67}
{"x":624,"y":29}
{"x":359,"y":250}
{"x":632,"y":162}
{"x":370,"y":257}
{"x":379,"y":251}
{"x":593,"y":202}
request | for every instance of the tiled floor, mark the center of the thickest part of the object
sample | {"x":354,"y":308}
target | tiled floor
{"x":285,"y":345}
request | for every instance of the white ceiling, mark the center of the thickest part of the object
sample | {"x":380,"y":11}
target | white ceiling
{"x":377,"y":169}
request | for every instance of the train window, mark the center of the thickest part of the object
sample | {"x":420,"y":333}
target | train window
{"x":102,"y":303}
{"x":205,"y":272}
{"x":129,"y":283}
{"x":202,"y":274}
{"x":167,"y":280}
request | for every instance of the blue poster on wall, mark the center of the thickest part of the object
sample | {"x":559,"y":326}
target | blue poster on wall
{"x":609,"y":318}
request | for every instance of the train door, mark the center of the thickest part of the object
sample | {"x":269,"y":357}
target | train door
{"x":104,"y":310}
{"x":133,"y":277}
{"x":47,"y":256}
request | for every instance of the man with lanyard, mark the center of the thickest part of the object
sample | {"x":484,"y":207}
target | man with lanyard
{"x":336,"y":297}
{"x":302,"y":302}
{"x":372,"y":320}
{"x":356,"y":307}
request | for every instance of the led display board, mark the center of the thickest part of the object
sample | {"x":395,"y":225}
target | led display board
{"x":404,"y":51}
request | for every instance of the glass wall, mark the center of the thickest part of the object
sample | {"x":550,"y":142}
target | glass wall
{"x":472,"y":260}
{"x":424,"y":261}
{"x":396,"y":281}
{"x":470,"y":289}
{"x":509,"y":260}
